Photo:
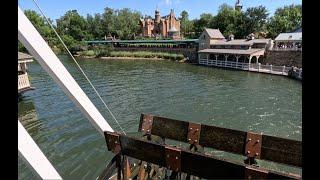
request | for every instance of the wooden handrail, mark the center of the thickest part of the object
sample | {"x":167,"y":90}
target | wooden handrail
{"x":274,"y":149}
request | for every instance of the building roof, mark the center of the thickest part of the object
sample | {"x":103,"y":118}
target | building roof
{"x":232,"y":51}
{"x":296,"y":36}
{"x":241,"y":42}
{"x":23,"y":56}
{"x":214,"y":33}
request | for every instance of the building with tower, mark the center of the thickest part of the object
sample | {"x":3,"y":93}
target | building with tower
{"x":163,"y":27}
{"x":238,"y":6}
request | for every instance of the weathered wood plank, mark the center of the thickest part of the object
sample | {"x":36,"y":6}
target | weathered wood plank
{"x":281,"y":150}
{"x":273,"y":148}
{"x":195,"y":163}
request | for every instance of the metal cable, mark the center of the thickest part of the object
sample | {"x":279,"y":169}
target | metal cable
{"x":79,"y":66}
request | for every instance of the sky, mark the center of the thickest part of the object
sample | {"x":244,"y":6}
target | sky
{"x":56,"y":8}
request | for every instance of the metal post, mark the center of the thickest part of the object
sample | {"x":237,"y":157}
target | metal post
{"x":207,"y":59}
{"x":259,"y":65}
{"x":199,"y":58}
{"x":283,"y":69}
{"x":271,"y":68}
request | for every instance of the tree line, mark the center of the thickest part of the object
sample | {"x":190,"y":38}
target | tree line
{"x":74,"y":29}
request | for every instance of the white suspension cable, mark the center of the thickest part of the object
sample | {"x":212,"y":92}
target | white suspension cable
{"x":78,"y":66}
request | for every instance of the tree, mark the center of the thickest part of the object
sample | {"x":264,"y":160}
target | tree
{"x":95,"y":27}
{"x":205,"y":21}
{"x":285,"y":19}
{"x":72,"y":24}
{"x":42,"y":27}
{"x":229,"y":21}
{"x":186,"y":25}
{"x":256,"y":19}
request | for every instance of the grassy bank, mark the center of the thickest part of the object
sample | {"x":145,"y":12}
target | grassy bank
{"x":136,"y":54}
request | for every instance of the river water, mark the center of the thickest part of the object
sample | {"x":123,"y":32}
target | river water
{"x":233,"y":99}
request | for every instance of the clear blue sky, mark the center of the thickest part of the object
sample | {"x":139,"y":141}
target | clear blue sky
{"x":56,"y":8}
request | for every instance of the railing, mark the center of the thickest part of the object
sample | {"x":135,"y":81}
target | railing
{"x":227,"y":64}
{"x":23,"y":81}
{"x":297,"y":73}
{"x":286,"y":49}
{"x":257,"y":67}
{"x":151,"y":156}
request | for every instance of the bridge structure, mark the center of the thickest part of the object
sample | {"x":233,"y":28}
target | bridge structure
{"x":180,"y":43}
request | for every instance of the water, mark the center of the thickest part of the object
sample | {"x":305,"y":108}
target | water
{"x":232,"y":99}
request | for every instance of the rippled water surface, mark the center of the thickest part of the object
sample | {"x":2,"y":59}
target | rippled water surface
{"x":232,"y":99}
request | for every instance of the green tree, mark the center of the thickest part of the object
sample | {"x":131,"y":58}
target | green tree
{"x":285,"y":19}
{"x":205,"y":21}
{"x":255,"y":19}
{"x":95,"y":27}
{"x":229,"y":21}
{"x":72,"y":24}
{"x":127,"y":23}
{"x":42,"y":27}
{"x":186,"y":24}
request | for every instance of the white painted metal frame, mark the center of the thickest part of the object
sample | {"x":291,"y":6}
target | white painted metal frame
{"x":40,"y":50}
{"x":32,"y":154}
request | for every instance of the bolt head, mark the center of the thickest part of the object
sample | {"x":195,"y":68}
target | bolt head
{"x":257,"y":154}
{"x":258,"y":141}
{"x":189,"y":139}
{"x":248,"y":152}
{"x":249,"y":139}
{"x":195,"y":140}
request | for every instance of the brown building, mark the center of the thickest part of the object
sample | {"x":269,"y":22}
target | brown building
{"x":166,"y":27}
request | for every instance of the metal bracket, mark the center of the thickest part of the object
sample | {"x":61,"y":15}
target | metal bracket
{"x":113,"y":142}
{"x":173,"y":158}
{"x":146,"y":125}
{"x":194,"y":133}
{"x":255,"y":173}
{"x":253,"y":145}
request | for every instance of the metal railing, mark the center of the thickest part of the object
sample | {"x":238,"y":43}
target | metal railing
{"x":23,"y":81}
{"x":257,"y":67}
